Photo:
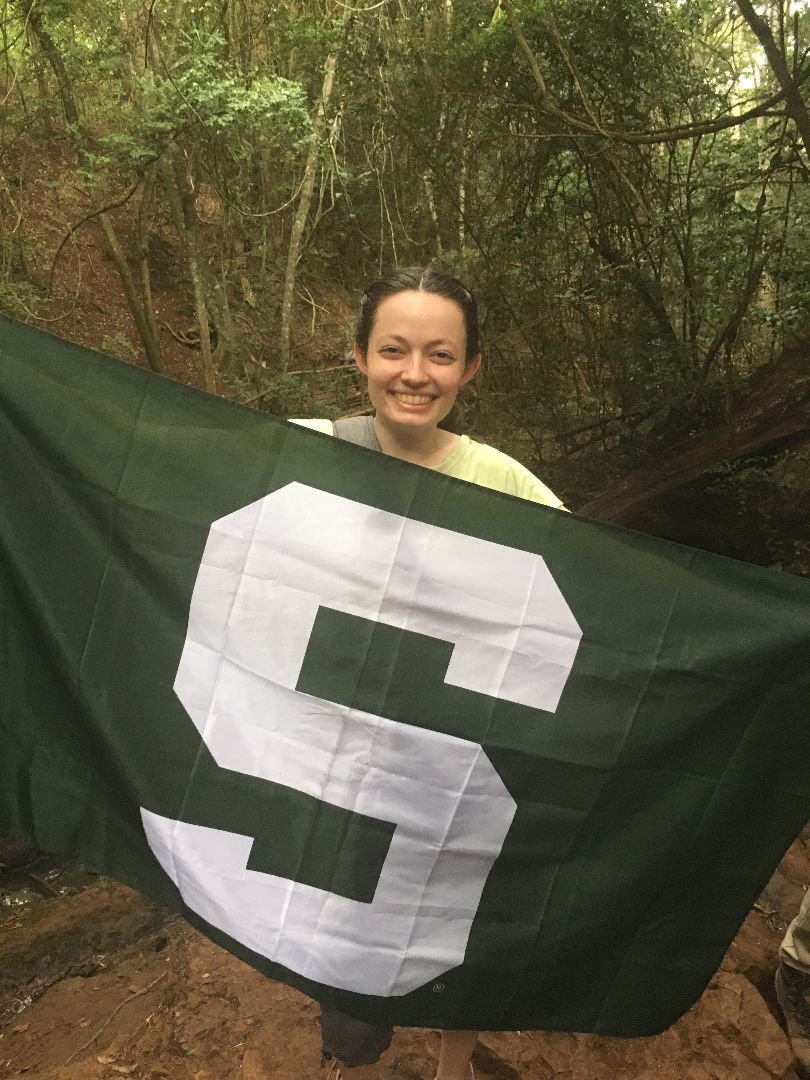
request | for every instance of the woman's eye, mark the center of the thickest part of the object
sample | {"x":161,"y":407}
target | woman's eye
{"x":444,"y":357}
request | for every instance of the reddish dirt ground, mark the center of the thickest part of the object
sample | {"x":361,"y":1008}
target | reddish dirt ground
{"x":102,"y":983}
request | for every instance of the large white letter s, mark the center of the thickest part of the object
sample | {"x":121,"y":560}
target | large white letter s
{"x":266,"y":570}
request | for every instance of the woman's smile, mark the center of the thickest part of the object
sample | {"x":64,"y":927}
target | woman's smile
{"x":412,"y":399}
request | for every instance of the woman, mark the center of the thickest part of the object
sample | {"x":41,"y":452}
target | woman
{"x":417,"y":343}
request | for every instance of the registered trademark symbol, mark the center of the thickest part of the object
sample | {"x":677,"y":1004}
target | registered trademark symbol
{"x":438,"y":987}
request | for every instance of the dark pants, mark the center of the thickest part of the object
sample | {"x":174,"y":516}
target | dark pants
{"x":352,"y":1041}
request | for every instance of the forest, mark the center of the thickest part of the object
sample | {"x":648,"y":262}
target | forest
{"x":623,"y":186}
{"x":204,"y":188}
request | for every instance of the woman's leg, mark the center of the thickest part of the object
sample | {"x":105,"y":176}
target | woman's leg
{"x":455,"y":1054}
{"x":348,"y":1039}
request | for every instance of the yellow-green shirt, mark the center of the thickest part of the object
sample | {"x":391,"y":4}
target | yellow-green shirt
{"x":479,"y":464}
{"x":484,"y":465}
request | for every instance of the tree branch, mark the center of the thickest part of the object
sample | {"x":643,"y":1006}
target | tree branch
{"x":789,"y":92}
{"x":795,"y":106}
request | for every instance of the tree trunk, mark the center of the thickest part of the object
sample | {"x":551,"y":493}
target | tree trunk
{"x":206,"y":283}
{"x":466,"y":135}
{"x":33,"y":19}
{"x":794,"y":103}
{"x":427,"y":180}
{"x":142,"y":240}
{"x":302,"y":210}
{"x":135,"y":302}
{"x":37,"y":65}
{"x":181,"y":204}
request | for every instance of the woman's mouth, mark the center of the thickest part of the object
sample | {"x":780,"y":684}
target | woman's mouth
{"x":412,"y":399}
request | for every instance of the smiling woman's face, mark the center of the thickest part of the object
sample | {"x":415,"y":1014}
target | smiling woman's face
{"x":415,"y":361}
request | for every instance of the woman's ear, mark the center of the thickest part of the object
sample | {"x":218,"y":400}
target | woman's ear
{"x":360,"y":359}
{"x":470,"y":369}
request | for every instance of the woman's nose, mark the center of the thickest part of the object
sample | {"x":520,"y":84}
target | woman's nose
{"x":415,"y":370}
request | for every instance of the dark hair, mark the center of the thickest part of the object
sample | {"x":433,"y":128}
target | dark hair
{"x":419,"y":279}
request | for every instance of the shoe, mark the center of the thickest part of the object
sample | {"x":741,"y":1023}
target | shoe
{"x":793,"y":994}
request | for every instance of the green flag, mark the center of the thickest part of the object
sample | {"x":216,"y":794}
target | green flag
{"x":430,"y":753}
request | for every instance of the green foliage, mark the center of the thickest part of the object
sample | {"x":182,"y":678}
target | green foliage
{"x":288,"y":395}
{"x":266,"y":112}
{"x":118,"y":345}
{"x":16,"y":297}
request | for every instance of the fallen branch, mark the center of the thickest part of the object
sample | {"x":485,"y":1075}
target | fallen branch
{"x":113,"y":1014}
{"x":772,"y":409}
